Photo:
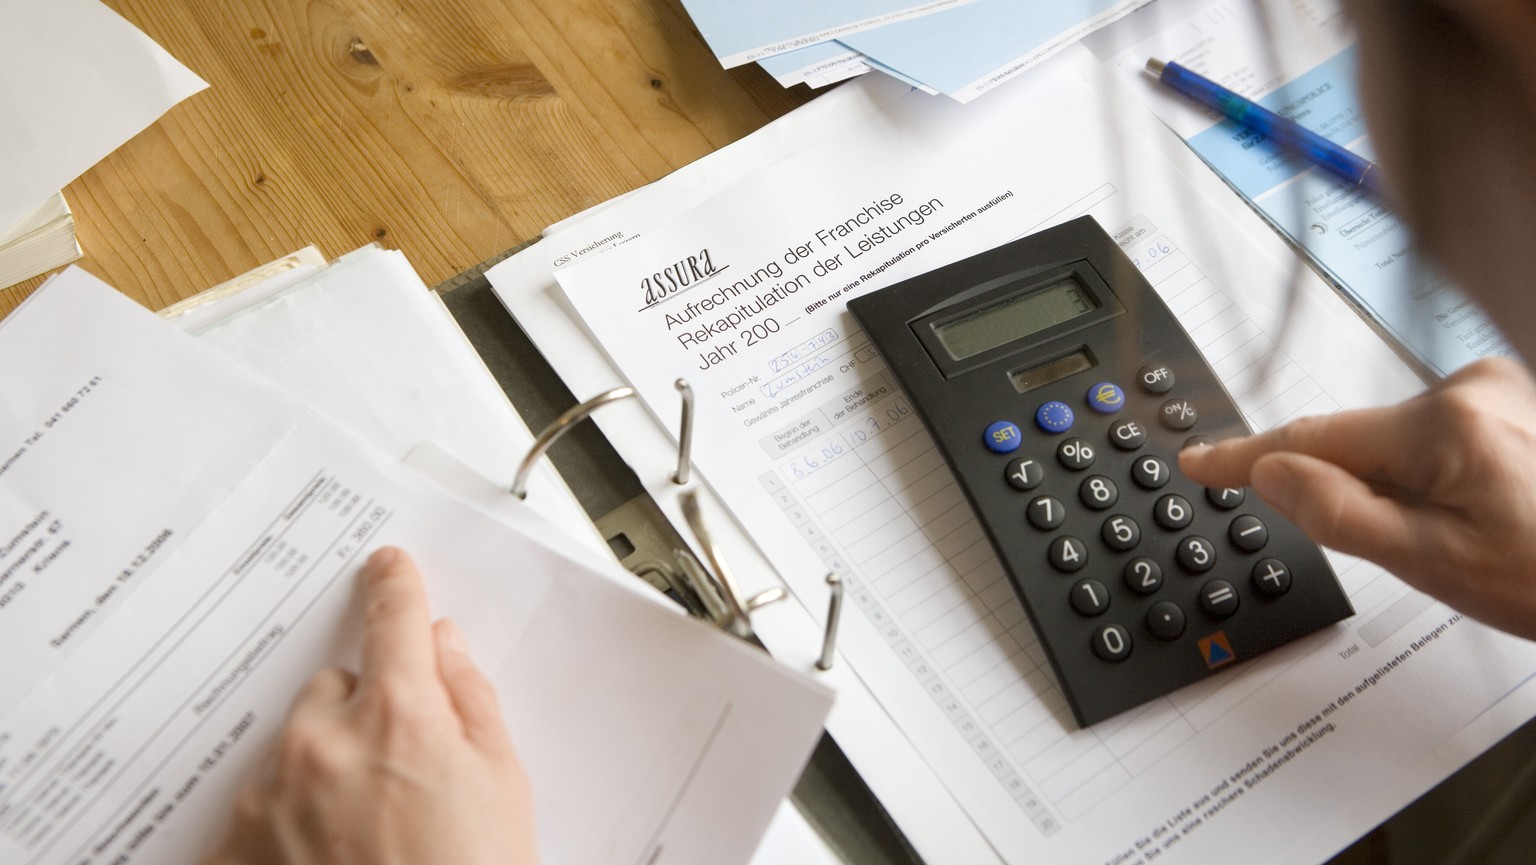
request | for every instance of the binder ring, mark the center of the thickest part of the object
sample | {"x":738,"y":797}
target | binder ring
{"x":581,"y":411}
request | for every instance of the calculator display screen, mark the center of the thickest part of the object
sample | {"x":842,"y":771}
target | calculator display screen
{"x":1014,"y":317}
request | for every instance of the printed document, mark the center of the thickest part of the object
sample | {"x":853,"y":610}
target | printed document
{"x":1297,"y":58}
{"x":802,"y":432}
{"x":178,"y":545}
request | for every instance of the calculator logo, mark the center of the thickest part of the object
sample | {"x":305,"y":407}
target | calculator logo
{"x":1216,"y":650}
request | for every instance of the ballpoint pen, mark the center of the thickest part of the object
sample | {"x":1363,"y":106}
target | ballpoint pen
{"x":1287,"y":134}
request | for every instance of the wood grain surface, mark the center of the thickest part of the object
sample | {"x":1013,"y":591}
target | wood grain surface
{"x":449,"y":129}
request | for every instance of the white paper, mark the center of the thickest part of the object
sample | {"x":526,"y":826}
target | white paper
{"x":1149,"y":779}
{"x":80,"y":82}
{"x":180,"y":542}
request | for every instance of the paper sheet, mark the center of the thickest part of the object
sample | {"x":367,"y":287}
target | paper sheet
{"x":965,"y":51}
{"x":1298,"y":59}
{"x":1097,"y":795}
{"x":180,"y":541}
{"x":81,"y":82}
{"x":743,"y":31}
{"x":368,"y":344}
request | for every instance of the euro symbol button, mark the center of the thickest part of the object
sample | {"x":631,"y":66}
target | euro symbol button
{"x":1106,"y":397}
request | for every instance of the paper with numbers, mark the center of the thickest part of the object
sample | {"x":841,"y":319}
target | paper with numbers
{"x":179,"y":543}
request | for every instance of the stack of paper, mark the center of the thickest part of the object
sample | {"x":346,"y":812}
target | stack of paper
{"x":961,"y":48}
{"x":80,"y":82}
{"x":181,"y":544}
{"x":39,"y":242}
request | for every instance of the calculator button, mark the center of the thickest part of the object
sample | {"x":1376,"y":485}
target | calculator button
{"x":1248,"y":533}
{"x":1178,"y":414}
{"x":1165,"y":620}
{"x":1120,"y":533}
{"x":1089,"y":597}
{"x":1003,"y":437}
{"x":1128,"y":435}
{"x":1271,"y":577}
{"x":1218,"y":598}
{"x":1054,"y":417}
{"x":1150,"y":473}
{"x":1045,"y":513}
{"x":1112,"y":643}
{"x":1198,"y":442}
{"x":1068,"y":554}
{"x":1106,"y":397}
{"x":1225,"y":498}
{"x":1098,"y":492}
{"x":1173,"y":512}
{"x":1076,"y":454}
{"x":1024,"y":474}
{"x":1143,"y":576}
{"x":1155,"y":378}
{"x":1196,"y":554}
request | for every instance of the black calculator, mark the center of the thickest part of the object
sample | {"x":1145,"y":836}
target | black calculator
{"x":1060,"y":388}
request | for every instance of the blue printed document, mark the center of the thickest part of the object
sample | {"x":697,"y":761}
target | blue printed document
{"x":744,"y":31}
{"x":1298,"y":59}
{"x":965,"y":51}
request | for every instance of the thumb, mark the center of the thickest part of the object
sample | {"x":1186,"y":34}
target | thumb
{"x":471,"y":693}
{"x":1336,"y":509}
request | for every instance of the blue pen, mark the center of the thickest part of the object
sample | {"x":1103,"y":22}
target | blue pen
{"x":1287,"y":134}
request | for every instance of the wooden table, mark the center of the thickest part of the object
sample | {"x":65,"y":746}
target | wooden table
{"x":449,"y":129}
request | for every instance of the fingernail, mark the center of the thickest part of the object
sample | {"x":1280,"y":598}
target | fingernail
{"x":382,"y":557}
{"x":1276,"y":483}
{"x":450,"y":638}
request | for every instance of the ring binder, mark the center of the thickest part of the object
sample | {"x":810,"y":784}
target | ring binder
{"x":705,"y":592}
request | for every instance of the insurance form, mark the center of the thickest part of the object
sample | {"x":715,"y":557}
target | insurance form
{"x":1298,"y":59}
{"x":178,"y":547}
{"x":801,"y":430}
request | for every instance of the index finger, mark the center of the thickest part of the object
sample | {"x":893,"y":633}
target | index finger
{"x":397,"y":624}
{"x":1368,"y":443}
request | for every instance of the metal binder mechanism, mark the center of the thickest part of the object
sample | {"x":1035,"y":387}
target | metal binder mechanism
{"x":707,"y":592}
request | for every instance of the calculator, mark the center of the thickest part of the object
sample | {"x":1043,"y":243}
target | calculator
{"x":1060,"y":389}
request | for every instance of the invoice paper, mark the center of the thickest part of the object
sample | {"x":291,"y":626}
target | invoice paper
{"x":804,"y":434}
{"x":178,"y":547}
{"x":1297,"y":58}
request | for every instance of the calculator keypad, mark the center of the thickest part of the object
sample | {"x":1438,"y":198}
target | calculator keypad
{"x":1120,"y":533}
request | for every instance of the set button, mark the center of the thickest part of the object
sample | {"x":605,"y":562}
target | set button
{"x":1003,"y":437}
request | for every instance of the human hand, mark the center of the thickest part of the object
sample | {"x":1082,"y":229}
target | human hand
{"x":1440,"y":489}
{"x":405,"y":762}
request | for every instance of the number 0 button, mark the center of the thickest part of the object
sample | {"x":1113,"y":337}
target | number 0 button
{"x":1112,"y":643}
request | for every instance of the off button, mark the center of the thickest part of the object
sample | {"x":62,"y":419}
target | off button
{"x":1156,"y":378}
